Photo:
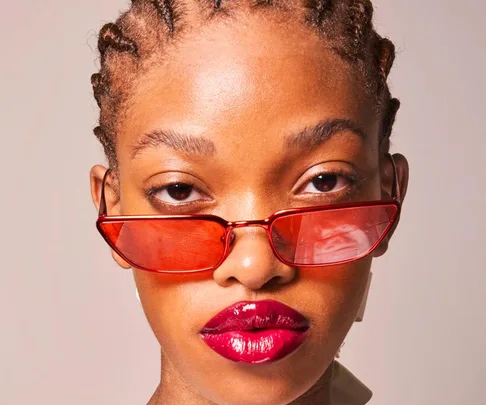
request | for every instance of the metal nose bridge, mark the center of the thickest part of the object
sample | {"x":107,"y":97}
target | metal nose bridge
{"x":261,"y":223}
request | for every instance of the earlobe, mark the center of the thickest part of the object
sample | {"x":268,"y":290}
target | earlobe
{"x":122,"y":263}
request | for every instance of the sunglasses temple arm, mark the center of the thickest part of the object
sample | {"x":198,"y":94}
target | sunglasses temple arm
{"x":102,"y":210}
{"x":396,"y":196}
{"x":395,"y":187}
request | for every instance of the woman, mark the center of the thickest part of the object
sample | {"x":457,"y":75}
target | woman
{"x":249,"y":188}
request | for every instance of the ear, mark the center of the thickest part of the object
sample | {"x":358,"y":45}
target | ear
{"x":112,"y":200}
{"x":387,"y":175}
{"x":96,"y":175}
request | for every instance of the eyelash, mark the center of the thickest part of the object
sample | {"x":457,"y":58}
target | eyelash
{"x":346,"y":192}
{"x":153,"y":191}
{"x":354,"y":183}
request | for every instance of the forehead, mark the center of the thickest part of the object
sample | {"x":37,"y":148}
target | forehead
{"x":238,"y":79}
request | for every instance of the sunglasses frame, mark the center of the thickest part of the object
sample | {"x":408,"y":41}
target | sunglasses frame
{"x":230,"y":226}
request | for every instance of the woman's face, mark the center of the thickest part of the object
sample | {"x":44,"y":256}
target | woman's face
{"x":236,"y":94}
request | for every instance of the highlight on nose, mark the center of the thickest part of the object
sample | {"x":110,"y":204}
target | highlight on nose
{"x":251,"y":262}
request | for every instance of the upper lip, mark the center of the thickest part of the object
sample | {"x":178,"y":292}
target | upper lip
{"x":252,"y":315}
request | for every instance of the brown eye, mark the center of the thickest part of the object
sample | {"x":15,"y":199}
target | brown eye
{"x":177,"y":193}
{"x":180,"y":192}
{"x":326,"y":183}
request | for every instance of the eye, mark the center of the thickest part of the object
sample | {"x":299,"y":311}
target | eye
{"x":327,"y":183}
{"x":177,"y":193}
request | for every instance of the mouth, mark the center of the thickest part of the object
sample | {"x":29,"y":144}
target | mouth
{"x":255,"y":332}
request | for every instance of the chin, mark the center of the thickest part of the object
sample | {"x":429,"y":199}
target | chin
{"x":273,"y":392}
{"x":277,"y":383}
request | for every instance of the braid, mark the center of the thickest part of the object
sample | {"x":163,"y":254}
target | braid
{"x":97,"y":87}
{"x":360,"y":19}
{"x":319,"y":11}
{"x":165,"y":8}
{"x":111,"y":36}
{"x":386,"y":54}
{"x":347,"y":26}
{"x":263,"y":3}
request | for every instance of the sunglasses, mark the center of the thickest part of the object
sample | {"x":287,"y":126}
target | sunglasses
{"x":304,"y":237}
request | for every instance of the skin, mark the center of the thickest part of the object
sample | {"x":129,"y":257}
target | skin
{"x":245,"y":86}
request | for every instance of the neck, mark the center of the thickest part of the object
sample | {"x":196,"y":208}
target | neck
{"x":174,"y":390}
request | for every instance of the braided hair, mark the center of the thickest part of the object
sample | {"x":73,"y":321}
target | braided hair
{"x":140,"y":35}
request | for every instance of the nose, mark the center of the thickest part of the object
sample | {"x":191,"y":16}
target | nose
{"x":252,"y":263}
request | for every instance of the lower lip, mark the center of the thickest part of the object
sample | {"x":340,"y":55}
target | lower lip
{"x":255,"y":347}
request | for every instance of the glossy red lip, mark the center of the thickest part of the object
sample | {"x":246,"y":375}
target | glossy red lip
{"x":255,"y":331}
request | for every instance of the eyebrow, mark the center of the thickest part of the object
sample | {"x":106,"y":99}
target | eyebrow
{"x":308,"y":138}
{"x":312,"y":137}
{"x":187,"y":144}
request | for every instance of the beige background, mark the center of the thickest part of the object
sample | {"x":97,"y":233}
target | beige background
{"x":72,"y":331}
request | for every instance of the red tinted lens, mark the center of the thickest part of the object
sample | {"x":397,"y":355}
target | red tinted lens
{"x":172,"y":245}
{"x":331,"y":236}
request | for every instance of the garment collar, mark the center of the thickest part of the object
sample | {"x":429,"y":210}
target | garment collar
{"x":346,"y":388}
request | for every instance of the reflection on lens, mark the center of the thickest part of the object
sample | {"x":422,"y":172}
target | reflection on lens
{"x":331,"y":236}
{"x":339,"y":243}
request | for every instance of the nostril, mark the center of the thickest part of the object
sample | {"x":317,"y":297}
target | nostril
{"x":275,"y":281}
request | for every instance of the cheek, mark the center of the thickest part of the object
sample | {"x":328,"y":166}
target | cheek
{"x":170,"y":303}
{"x":177,"y":308}
{"x":335,"y":295}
